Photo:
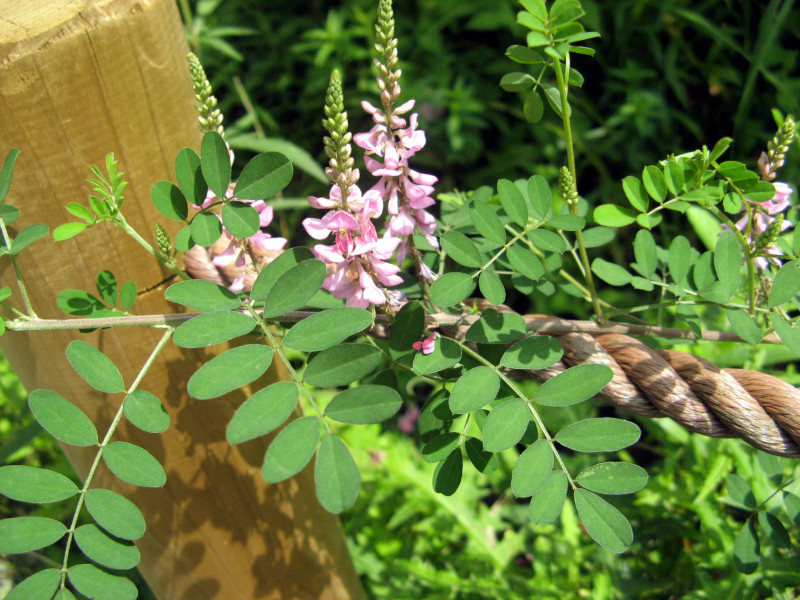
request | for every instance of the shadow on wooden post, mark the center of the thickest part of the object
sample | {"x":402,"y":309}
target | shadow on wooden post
{"x":78,"y":81}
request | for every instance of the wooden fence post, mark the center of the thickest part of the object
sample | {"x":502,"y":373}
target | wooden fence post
{"x":78,"y":79}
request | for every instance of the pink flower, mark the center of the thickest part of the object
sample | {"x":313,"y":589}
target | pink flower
{"x":763,"y":213}
{"x":427,"y":345}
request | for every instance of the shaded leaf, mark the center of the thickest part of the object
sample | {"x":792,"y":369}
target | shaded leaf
{"x":525,"y":262}
{"x":445,"y":354}
{"x":364,"y":405}
{"x":747,"y":548}
{"x":28,"y":236}
{"x":484,"y":462}
{"x":447,"y":475}
{"x":439,"y":447}
{"x":94,"y":367}
{"x":461,"y":249}
{"x":407,"y":328}
{"x":341,"y":365}
{"x":788,"y":333}
{"x":487,"y":223}
{"x":491,"y":287}
{"x":328,"y":328}
{"x":496,"y":328}
{"x":644,"y":249}
{"x":547,"y":240}
{"x":744,"y":325}
{"x":786,"y":284}
{"x":535,"y":352}
{"x":6,"y":172}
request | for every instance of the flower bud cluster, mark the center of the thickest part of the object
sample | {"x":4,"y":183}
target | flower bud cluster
{"x":210,"y":118}
{"x":772,"y":160}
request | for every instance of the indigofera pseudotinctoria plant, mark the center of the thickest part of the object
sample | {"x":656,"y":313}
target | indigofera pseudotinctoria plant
{"x":386,"y":291}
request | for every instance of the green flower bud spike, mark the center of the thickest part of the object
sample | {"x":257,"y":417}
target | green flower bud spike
{"x":388,"y":73}
{"x":337,"y":144}
{"x":566,"y":187}
{"x":210,"y":118}
{"x":163,"y":242}
{"x":770,"y":235}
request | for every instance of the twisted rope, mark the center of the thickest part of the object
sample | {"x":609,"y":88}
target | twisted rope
{"x":761,"y":409}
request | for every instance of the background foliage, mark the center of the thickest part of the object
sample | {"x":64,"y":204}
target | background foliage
{"x":667,"y":77}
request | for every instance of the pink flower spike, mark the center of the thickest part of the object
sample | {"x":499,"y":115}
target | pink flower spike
{"x":427,"y":345}
{"x":404,"y":107}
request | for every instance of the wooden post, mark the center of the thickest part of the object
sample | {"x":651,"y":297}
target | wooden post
{"x":77,"y":81}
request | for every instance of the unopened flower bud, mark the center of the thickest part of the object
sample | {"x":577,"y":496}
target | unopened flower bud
{"x":566,"y":186}
{"x":769,"y":236}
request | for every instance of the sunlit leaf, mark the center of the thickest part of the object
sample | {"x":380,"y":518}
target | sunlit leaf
{"x":473,"y":390}
{"x":295,"y":288}
{"x":190,"y":176}
{"x":240,"y":219}
{"x":229,"y":371}
{"x":201,"y":295}
{"x":505,"y":425}
{"x":28,"y":236}
{"x":611,"y":273}
{"x":97,"y":584}
{"x":574,"y":385}
{"x":512,"y":201}
{"x":24,"y":534}
{"x":598,"y":435}
{"x":613,"y":478}
{"x":452,"y":288}
{"x":291,"y":449}
{"x":445,"y":354}
{"x":612,"y":215}
{"x":215,"y":163}
{"x":525,"y":262}
{"x":604,"y":523}
{"x":205,"y":228}
{"x":263,"y":177}
{"x":105,"y":551}
{"x":336,"y":475}
{"x":492,"y":287}
{"x":212,"y":328}
{"x":115,"y":513}
{"x":36,"y":485}
{"x":532,"y":469}
{"x":263,"y":412}
{"x":62,"y":419}
{"x":271,"y":273}
{"x":133,"y":464}
{"x":487,"y":223}
{"x":6,"y":172}
{"x":546,"y":504}
{"x":169,"y":201}
{"x":786,"y":284}
{"x":39,"y":586}
{"x":328,"y":328}
{"x":146,"y":412}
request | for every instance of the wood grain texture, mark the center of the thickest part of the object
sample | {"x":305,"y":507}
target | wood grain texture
{"x":77,"y":81}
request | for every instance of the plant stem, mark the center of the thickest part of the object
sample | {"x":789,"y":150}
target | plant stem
{"x":111,"y":430}
{"x":262,"y":323}
{"x":22,"y":289}
{"x":573,"y":208}
{"x":120,"y":220}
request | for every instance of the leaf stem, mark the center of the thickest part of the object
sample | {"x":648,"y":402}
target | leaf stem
{"x":111,"y":430}
{"x":21,"y":284}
